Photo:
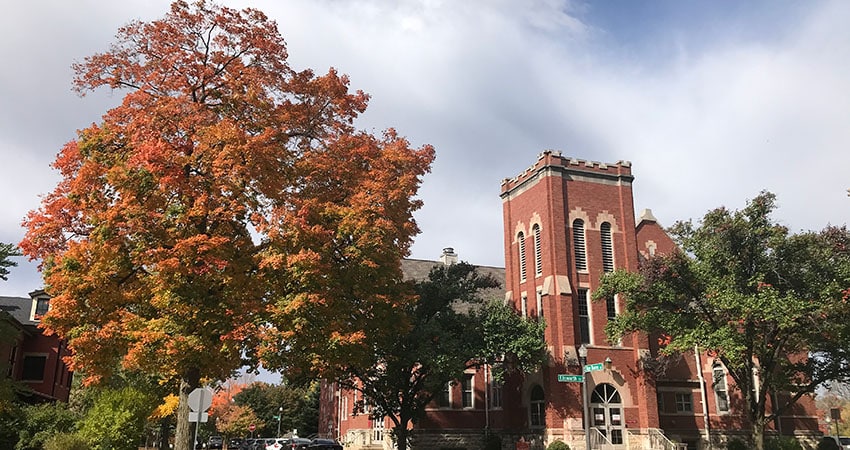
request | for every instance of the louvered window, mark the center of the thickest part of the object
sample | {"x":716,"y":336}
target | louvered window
{"x":578,"y":245}
{"x":521,"y":241}
{"x":538,"y":251}
{"x":607,"y":248}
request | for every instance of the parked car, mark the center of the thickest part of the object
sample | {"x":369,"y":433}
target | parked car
{"x":215,"y":442}
{"x":324,"y":444}
{"x":275,"y":444}
{"x":843,"y":442}
{"x":235,"y":444}
{"x":297,"y":443}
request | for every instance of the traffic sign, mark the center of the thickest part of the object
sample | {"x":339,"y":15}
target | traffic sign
{"x":252,"y":427}
{"x":565,"y":378}
{"x":193,"y":417}
{"x":200,"y":399}
{"x":592,"y":367}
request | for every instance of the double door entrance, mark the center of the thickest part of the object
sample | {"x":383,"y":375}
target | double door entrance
{"x":606,"y":412}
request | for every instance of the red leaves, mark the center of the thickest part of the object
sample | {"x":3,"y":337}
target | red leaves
{"x":227,"y":207}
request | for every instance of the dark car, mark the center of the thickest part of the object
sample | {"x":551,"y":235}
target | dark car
{"x":215,"y":442}
{"x":325,"y":444}
{"x":297,"y":443}
{"x":235,"y":444}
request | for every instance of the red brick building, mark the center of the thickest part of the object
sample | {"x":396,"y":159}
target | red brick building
{"x":32,"y":358}
{"x":566,"y":223}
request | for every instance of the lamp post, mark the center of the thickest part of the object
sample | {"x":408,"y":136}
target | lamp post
{"x":279,"y":416}
{"x":582,"y":358}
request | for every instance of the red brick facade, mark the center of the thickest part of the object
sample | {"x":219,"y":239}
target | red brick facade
{"x":575,"y":220}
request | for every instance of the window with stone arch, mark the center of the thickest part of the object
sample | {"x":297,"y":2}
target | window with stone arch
{"x":579,"y":249}
{"x":521,"y":244}
{"x":607,"y":247}
{"x":721,"y":393}
{"x":538,"y":251}
{"x":538,"y":407}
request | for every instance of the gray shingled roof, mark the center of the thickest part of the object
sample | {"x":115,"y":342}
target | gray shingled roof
{"x":418,"y":269}
{"x":18,"y":307}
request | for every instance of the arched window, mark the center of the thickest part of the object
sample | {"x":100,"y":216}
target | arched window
{"x":538,"y":251}
{"x":607,"y":247}
{"x":538,"y":407}
{"x":521,"y":241}
{"x":578,"y":245}
{"x":721,"y":394}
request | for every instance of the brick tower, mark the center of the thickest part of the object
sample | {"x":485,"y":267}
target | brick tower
{"x":567,"y":222}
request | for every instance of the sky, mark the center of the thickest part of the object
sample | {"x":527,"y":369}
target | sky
{"x":712,"y":101}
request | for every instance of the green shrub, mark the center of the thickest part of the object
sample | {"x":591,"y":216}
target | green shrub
{"x":66,"y":441}
{"x":782,"y":443}
{"x":737,"y":444}
{"x":558,"y":445}
{"x":39,"y":422}
{"x":492,"y":442}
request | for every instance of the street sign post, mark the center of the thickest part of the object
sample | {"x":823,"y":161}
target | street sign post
{"x":592,"y":367}
{"x":566,"y":378}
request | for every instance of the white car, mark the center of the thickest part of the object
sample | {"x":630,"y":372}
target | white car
{"x":275,"y":444}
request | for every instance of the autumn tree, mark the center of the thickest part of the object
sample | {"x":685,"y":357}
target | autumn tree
{"x":288,"y":402}
{"x":451,"y":327}
{"x":222,"y":208}
{"x":771,"y":305}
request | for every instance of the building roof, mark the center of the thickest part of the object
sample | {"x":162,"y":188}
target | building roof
{"x":418,"y":269}
{"x":19,"y":308}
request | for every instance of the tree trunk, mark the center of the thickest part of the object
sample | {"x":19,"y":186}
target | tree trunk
{"x":183,"y":437}
{"x":758,"y":434}
{"x":400,"y":433}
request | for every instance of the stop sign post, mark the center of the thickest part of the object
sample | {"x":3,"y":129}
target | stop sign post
{"x":199,"y":400}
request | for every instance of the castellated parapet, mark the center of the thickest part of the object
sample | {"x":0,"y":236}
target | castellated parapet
{"x":551,"y":160}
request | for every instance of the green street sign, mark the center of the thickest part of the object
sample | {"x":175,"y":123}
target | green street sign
{"x":276,"y":417}
{"x":564,"y":378}
{"x":592,"y":367}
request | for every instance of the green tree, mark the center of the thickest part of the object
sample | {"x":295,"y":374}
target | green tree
{"x":269,"y":401}
{"x":116,"y":420}
{"x":7,"y":251}
{"x":450,"y":328}
{"x":40,"y":422}
{"x":770,"y":304}
{"x":227,"y":203}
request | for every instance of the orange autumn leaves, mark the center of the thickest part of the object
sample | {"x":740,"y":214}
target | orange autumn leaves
{"x":228,"y":209}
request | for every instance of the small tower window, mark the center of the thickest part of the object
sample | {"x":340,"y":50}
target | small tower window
{"x":607,"y":247}
{"x":578,"y":245}
{"x":538,"y":251}
{"x":521,"y":241}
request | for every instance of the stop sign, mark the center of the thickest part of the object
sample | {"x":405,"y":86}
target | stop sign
{"x":252,"y":427}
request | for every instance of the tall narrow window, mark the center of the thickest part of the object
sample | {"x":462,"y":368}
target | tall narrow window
{"x":578,"y":245}
{"x":496,"y":394}
{"x":444,"y":399}
{"x":721,"y":395}
{"x":521,"y":242}
{"x":611,"y":306}
{"x":524,"y":306}
{"x":607,"y":247}
{"x":467,"y":391}
{"x":538,"y":251}
{"x":538,"y":407}
{"x":539,"y":304}
{"x":583,"y":316}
